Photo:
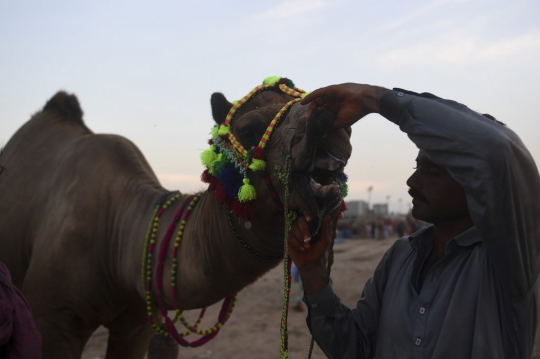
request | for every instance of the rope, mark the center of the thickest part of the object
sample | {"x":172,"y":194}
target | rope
{"x":328,"y":270}
{"x":290,"y":216}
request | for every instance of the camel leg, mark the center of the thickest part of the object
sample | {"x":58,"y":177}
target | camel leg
{"x":129,"y":336}
{"x":63,"y":336}
{"x":163,"y":348}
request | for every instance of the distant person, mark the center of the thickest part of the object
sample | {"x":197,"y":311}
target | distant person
{"x":298,"y":305}
{"x":464,"y":286}
{"x":19,"y":336}
{"x":400,"y":228}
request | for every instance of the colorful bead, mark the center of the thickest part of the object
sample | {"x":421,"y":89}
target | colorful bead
{"x":228,"y":303}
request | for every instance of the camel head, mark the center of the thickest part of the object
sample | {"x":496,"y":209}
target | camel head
{"x":264,"y":150}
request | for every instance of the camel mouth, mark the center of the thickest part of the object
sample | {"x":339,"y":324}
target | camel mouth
{"x":321,"y":187}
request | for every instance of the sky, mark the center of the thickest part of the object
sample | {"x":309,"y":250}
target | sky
{"x":146,"y":70}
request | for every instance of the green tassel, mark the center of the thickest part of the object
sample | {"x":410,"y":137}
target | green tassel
{"x":219,"y":164}
{"x":209,"y":156}
{"x":257,"y":165}
{"x":223,"y":130}
{"x":345,"y":189}
{"x":246,"y":192}
{"x":271,"y":80}
{"x":211,"y":168}
{"x":214,"y":132}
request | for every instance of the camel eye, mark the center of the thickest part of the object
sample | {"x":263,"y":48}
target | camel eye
{"x":249,"y":139}
{"x":249,"y":131}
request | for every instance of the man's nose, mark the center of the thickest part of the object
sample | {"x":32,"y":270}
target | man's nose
{"x":412,"y":181}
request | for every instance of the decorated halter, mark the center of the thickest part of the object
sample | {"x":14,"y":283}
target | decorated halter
{"x":227,"y":162}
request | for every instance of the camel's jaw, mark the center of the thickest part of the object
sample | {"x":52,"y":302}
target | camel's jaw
{"x":321,"y":189}
{"x":318,"y":157}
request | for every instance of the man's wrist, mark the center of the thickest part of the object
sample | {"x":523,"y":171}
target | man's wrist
{"x":314,"y":277}
{"x":373,"y":97}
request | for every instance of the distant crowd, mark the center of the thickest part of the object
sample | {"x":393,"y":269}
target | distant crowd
{"x":378,"y":227}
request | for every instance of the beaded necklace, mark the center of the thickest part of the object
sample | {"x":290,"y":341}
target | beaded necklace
{"x":247,"y":246}
{"x":168,"y":328}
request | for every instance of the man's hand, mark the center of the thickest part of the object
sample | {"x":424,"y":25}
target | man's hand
{"x":350,"y":102}
{"x":308,"y":254}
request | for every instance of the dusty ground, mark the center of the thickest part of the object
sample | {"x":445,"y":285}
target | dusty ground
{"x":253,"y":330}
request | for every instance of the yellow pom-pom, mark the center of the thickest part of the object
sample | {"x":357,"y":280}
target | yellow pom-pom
{"x":209,"y":156}
{"x":214,"y":132}
{"x":246,"y":192}
{"x":271,"y":80}
{"x":257,"y":165}
{"x":223,"y":130}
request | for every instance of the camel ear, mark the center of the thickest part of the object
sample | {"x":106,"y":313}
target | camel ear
{"x":220,"y":107}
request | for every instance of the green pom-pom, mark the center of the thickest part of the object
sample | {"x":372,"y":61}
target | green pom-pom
{"x":257,"y":165}
{"x":271,"y":80}
{"x":214,"y":132}
{"x":209,"y":156}
{"x":223,"y":130}
{"x":345,"y":189}
{"x":246,"y":192}
{"x":219,"y":164}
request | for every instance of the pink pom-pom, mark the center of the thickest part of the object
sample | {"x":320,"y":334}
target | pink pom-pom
{"x":221,"y":194}
{"x":205,"y":176}
{"x":258,"y":153}
{"x":343,"y":206}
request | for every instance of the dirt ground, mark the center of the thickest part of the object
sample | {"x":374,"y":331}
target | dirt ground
{"x":253,"y":330}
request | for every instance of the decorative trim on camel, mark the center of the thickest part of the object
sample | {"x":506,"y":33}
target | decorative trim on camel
{"x":227,"y":162}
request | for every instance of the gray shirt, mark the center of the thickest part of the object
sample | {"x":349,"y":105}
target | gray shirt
{"x":479,"y":301}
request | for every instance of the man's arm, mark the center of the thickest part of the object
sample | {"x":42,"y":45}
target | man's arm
{"x":339,"y":331}
{"x":489,"y":160}
{"x":496,"y":171}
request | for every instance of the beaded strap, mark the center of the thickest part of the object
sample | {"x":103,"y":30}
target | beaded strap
{"x":148,"y":254}
{"x":247,"y":246}
{"x":266,"y":136}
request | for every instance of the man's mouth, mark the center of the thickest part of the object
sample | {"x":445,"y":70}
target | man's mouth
{"x":417,"y":195}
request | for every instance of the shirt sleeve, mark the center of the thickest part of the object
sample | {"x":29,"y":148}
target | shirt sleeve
{"x":496,"y":171}
{"x":344,"y":333}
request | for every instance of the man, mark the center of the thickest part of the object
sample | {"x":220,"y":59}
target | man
{"x":19,"y":336}
{"x":463,"y":287}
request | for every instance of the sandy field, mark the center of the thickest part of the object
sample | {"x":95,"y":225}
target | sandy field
{"x":253,"y":330}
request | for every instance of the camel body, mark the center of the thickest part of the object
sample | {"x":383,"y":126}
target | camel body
{"x":76,"y":207}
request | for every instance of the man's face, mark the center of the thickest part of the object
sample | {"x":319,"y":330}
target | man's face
{"x":437,"y":197}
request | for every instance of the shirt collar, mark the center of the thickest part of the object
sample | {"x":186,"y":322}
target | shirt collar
{"x":469,"y":237}
{"x":424,"y":237}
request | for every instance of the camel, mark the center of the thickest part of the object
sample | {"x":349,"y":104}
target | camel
{"x":76,"y":209}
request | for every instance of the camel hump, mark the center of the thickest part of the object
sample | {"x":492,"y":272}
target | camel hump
{"x":66,"y":105}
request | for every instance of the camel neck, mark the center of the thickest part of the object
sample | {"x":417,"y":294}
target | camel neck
{"x":212,"y":263}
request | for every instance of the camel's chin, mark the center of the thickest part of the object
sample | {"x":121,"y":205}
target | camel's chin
{"x":319,"y":199}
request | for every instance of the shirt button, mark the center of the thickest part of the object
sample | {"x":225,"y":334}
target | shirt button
{"x":400,"y":94}
{"x":418,"y":341}
{"x":422,"y":310}
{"x":314,"y":306}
